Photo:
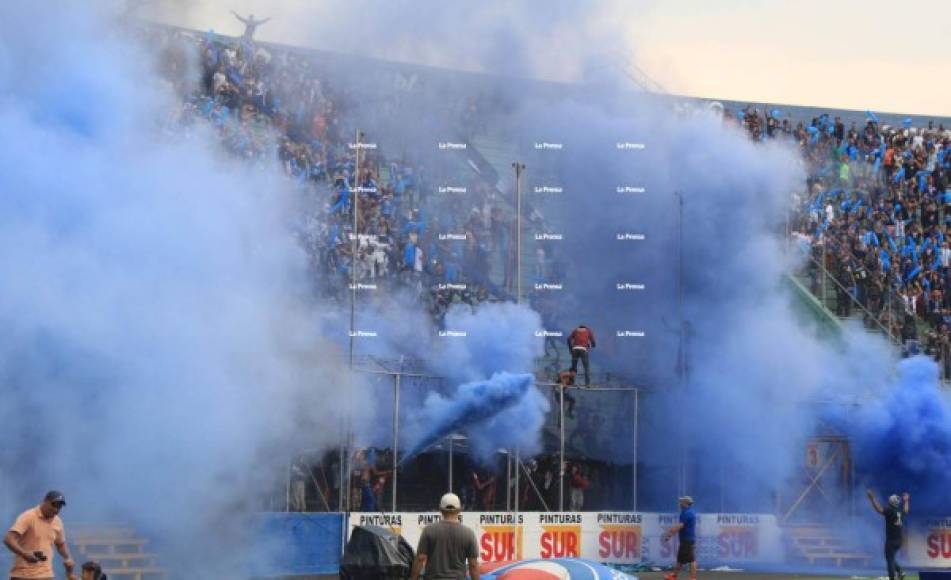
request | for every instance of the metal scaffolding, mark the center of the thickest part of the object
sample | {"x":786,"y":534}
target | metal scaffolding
{"x":516,"y":472}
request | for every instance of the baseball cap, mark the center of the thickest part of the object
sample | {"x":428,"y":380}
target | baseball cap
{"x":686,"y":499}
{"x":54,"y":496}
{"x":449,"y":503}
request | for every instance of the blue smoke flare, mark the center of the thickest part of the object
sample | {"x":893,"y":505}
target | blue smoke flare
{"x":902,"y":442}
{"x":504,"y":410}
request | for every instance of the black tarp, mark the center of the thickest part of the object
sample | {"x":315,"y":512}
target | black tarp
{"x":376,"y":553}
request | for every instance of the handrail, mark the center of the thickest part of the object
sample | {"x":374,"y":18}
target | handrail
{"x":825,"y":272}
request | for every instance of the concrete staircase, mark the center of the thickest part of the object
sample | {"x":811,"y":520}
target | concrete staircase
{"x":119,"y":550}
{"x":823,"y":545}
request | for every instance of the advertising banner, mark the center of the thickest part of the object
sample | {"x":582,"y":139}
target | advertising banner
{"x":929,"y":544}
{"x":607,"y":537}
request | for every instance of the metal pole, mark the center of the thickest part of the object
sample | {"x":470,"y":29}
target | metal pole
{"x":396,"y":429}
{"x":722,"y":482}
{"x":561,"y":452}
{"x":508,"y":481}
{"x":450,"y":462}
{"x":683,"y":341}
{"x":353,"y":244}
{"x":340,"y":471}
{"x":345,"y":459}
{"x":538,"y":493}
{"x":518,"y":230}
{"x":517,"y":463}
{"x":822,"y":272}
{"x":634,"y":466}
{"x":287,"y":488}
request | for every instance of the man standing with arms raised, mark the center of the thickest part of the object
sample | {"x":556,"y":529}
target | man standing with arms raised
{"x":32,"y":537}
{"x":447,"y":548}
{"x":894,"y":523}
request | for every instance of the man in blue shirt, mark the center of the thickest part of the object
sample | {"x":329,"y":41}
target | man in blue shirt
{"x":686,"y":530}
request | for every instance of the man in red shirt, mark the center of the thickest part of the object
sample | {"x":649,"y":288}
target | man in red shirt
{"x":580,"y":341}
{"x":32,"y":537}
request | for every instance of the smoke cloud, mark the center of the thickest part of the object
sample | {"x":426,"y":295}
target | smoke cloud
{"x":162,"y":343}
{"x":162,"y":352}
{"x":902,"y":441}
{"x":494,"y":409}
{"x":502,"y":411}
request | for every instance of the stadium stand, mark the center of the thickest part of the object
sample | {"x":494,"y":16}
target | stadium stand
{"x":871,"y":227}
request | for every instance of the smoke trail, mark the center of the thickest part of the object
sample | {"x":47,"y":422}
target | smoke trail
{"x":162,"y":358}
{"x":501,"y":412}
{"x":487,"y":352}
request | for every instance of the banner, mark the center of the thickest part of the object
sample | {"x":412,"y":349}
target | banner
{"x":929,"y":545}
{"x":607,"y":537}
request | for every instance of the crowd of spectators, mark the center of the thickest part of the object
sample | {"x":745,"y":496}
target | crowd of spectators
{"x":268,"y":103}
{"x":875,"y":216}
{"x":875,"y":221}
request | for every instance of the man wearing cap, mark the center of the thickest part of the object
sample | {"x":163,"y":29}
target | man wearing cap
{"x":32,"y":537}
{"x":687,"y":532}
{"x":894,"y":516}
{"x":447,"y":547}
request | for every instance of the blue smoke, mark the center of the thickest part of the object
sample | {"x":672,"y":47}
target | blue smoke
{"x":505,"y":410}
{"x":159,"y":347}
{"x":498,"y":337}
{"x":490,"y":356}
{"x":902,"y":442}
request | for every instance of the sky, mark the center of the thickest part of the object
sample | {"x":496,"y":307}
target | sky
{"x":848,"y":54}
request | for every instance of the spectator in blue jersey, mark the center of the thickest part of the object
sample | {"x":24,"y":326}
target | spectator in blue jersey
{"x":686,"y":529}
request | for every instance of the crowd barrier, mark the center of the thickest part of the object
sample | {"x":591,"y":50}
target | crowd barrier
{"x":312,"y":543}
{"x":929,"y":546}
{"x":607,"y":537}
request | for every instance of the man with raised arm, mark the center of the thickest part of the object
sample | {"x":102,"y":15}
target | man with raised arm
{"x":250,"y":24}
{"x":894,"y":515}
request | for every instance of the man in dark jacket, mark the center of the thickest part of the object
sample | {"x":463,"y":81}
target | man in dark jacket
{"x":580,"y":341}
{"x":894,"y":525}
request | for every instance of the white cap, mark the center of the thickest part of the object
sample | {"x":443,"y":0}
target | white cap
{"x":685,"y":499}
{"x":449,"y":503}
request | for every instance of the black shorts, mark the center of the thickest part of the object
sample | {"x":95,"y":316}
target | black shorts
{"x":685,"y":553}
